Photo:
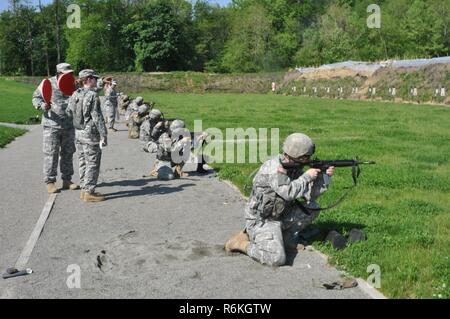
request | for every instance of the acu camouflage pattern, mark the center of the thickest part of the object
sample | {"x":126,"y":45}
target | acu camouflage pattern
{"x":133,"y":107}
{"x":58,"y":134}
{"x":88,"y":139}
{"x":57,"y":116}
{"x":134,"y":124}
{"x":149,"y":134}
{"x":94,"y":123}
{"x":89,"y":157}
{"x":110,"y":106}
{"x":270,"y":236}
{"x":164,"y":162}
{"x":123,"y":103}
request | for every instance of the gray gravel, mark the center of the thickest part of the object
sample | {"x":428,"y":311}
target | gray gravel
{"x":154,"y":239}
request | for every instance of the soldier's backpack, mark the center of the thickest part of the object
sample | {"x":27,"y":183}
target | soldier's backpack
{"x":76,"y":105}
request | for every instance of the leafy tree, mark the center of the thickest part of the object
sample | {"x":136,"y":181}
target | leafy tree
{"x":154,"y":37}
{"x":248,"y":49}
{"x":212,"y":29}
{"x":98,"y":44}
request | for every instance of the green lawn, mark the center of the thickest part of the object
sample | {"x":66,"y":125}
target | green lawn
{"x":7,"y":134}
{"x":15,"y":102}
{"x":402,"y":203}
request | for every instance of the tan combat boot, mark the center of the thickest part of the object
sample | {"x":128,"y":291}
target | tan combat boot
{"x":82,"y":195}
{"x":93,"y":198}
{"x":69,"y":185}
{"x":179,"y":172}
{"x":51,"y":188}
{"x":238,"y":243}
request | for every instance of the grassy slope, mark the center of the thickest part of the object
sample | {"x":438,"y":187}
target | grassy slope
{"x":402,"y":203}
{"x":7,"y":134}
{"x":15,"y":102}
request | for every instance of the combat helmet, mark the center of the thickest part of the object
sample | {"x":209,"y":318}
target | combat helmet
{"x":177,"y":124}
{"x":298,"y":145}
{"x":139,"y":100}
{"x":155,"y":114}
{"x":144,"y":108}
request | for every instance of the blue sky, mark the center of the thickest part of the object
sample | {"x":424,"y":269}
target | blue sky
{"x":4,"y":3}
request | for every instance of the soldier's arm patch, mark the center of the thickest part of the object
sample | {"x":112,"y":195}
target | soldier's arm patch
{"x":283,"y":179}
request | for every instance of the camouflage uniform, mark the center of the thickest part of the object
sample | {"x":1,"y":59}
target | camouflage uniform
{"x":273,"y":217}
{"x":133,"y":107}
{"x":134,"y":124}
{"x":123,"y":103}
{"x":168,"y":145}
{"x":145,"y":135}
{"x":88,"y":139}
{"x":149,"y":132}
{"x":110,"y":106}
{"x":59,"y":135}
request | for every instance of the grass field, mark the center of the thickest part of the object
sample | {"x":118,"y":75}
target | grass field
{"x":15,"y":102}
{"x":402,"y":203}
{"x":7,"y":134}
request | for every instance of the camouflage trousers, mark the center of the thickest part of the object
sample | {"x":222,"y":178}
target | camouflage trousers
{"x":270,"y":239}
{"x":89,"y":156}
{"x":110,"y":111}
{"x":58,"y":145}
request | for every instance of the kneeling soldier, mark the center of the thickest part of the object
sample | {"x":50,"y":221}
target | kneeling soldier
{"x":136,"y":120}
{"x":148,"y":130}
{"x":172,"y":143}
{"x":274,"y":217}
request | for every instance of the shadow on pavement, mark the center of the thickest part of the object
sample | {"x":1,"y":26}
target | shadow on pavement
{"x":131,"y":182}
{"x":148,"y":190}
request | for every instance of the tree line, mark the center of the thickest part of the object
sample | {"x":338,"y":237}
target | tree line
{"x":245,"y":36}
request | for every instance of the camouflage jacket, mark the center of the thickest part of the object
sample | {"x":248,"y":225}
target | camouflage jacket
{"x":110,"y":98}
{"x":167,"y":146}
{"x":274,"y":192}
{"x":56,"y":117}
{"x":94,"y":123}
{"x":148,"y":133}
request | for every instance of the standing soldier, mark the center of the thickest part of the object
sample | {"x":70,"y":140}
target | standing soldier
{"x":91,"y":133}
{"x":274,"y":218}
{"x":59,"y":134}
{"x":110,"y":103}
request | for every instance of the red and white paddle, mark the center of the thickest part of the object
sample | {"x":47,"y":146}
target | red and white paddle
{"x":45,"y":88}
{"x":66,"y":84}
